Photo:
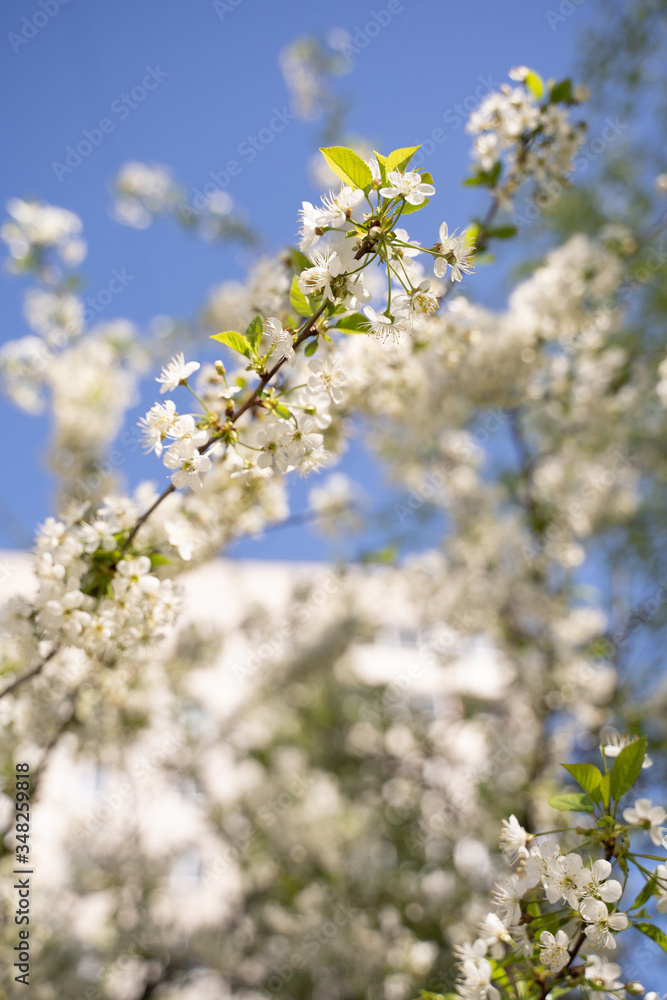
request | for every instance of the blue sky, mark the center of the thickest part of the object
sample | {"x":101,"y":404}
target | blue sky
{"x":214,"y":69}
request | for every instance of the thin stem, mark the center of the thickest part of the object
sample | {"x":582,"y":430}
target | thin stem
{"x":198,"y":398}
{"x":30,"y":674}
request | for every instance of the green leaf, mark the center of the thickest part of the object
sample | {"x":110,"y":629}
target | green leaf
{"x":655,"y":934}
{"x":588,"y":776}
{"x":355,"y":323}
{"x":310,"y":348}
{"x":282,"y":411}
{"x":535,"y":84}
{"x":298,"y":261}
{"x":399,"y":159}
{"x":604,"y":790}
{"x":427,"y":995}
{"x":502,"y":232}
{"x":561,"y":91}
{"x":348,"y":165}
{"x":409,"y":209}
{"x":627,"y":768}
{"x":572,"y":802}
{"x":486,"y":177}
{"x":644,"y":895}
{"x":382,"y":163}
{"x":157,"y":559}
{"x":493,"y":174}
{"x":254,"y":333}
{"x":298,"y":300}
{"x":237,"y":342}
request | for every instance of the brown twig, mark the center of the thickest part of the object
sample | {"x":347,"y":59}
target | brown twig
{"x":26,"y":677}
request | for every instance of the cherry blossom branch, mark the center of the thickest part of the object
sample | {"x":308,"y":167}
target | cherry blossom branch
{"x":30,"y":674}
{"x":306,"y":332}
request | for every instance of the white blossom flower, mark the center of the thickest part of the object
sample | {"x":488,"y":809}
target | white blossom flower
{"x":157,"y":425}
{"x":176,"y":372}
{"x":407,"y":185}
{"x":384,"y":326}
{"x":507,"y":899}
{"x":188,"y":440}
{"x":274,"y":438}
{"x":413,"y":250}
{"x":604,"y":973}
{"x":554,"y":951}
{"x":535,"y":865}
{"x":471,"y":951}
{"x":312,"y":220}
{"x":305,"y":450}
{"x":181,"y":534}
{"x":317,"y":279}
{"x":600,"y":885}
{"x":475,"y":982}
{"x":514,"y":840}
{"x":614,"y":743}
{"x":566,"y":878}
{"x":336,"y":209}
{"x":649,"y":817}
{"x":281,"y":341}
{"x":136,"y":571}
{"x":495,"y":934}
{"x":600,"y":922}
{"x":189,"y":474}
{"x":327,"y":376}
{"x":523,"y":942}
{"x":457,"y":253}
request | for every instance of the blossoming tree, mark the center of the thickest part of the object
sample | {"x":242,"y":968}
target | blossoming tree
{"x":533,"y":431}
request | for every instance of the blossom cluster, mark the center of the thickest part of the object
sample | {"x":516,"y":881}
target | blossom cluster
{"x":94,"y":596}
{"x":328,"y":234}
{"x":527,"y":130}
{"x":35,"y":229}
{"x":343,"y":240}
{"x":555,"y":917}
{"x":145,"y":192}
